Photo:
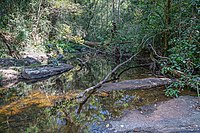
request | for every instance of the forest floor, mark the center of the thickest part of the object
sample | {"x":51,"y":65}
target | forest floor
{"x":178,"y":115}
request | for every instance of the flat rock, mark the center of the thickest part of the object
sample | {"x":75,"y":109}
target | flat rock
{"x":179,"y":115}
{"x":136,"y":84}
{"x":31,"y":74}
{"x":44,"y":71}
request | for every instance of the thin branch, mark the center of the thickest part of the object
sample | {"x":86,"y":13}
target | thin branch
{"x":38,"y":14}
{"x":141,"y":65}
{"x":157,"y":53}
{"x":106,"y":78}
{"x":96,"y":50}
{"x":98,"y":85}
{"x":92,"y":89}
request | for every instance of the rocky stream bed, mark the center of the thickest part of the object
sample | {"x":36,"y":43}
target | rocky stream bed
{"x":178,"y":115}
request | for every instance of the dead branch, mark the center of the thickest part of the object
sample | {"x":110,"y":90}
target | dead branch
{"x":92,"y":44}
{"x":141,"y":65}
{"x":92,"y":89}
{"x":157,"y":53}
{"x":98,"y":85}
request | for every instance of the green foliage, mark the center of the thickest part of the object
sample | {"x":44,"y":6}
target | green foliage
{"x":68,"y":6}
{"x":27,"y":21}
{"x":62,"y":25}
{"x":184,"y":54}
{"x":32,"y":129}
{"x":172,"y":92}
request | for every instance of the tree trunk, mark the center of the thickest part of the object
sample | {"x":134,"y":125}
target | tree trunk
{"x":118,"y":10}
{"x":167,"y":24}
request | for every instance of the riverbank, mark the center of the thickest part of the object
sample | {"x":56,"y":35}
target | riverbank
{"x":178,"y":115}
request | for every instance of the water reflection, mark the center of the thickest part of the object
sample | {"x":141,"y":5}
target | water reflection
{"x":45,"y":106}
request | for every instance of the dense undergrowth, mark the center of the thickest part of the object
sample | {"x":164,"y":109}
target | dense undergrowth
{"x":65,"y":28}
{"x":170,"y":27}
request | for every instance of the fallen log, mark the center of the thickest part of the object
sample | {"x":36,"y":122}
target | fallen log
{"x":136,"y":84}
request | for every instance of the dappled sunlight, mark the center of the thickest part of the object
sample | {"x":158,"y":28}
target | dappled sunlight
{"x":35,"y":98}
{"x":73,"y":66}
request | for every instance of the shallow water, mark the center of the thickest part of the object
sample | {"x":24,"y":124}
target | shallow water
{"x":44,"y":106}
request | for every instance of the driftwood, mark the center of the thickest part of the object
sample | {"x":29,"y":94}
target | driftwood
{"x":145,"y":83}
{"x":98,"y":85}
{"x":31,"y":74}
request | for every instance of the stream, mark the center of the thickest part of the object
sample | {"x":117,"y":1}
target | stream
{"x":45,"y":106}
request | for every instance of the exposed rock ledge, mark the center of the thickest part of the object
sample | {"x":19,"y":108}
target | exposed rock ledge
{"x":31,"y":74}
{"x":136,"y":84}
{"x":178,"y":115}
{"x":8,"y":62}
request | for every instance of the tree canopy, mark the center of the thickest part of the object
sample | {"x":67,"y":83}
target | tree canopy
{"x":168,"y":30}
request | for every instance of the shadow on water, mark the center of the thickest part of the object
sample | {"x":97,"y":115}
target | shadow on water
{"x":45,"y":106}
